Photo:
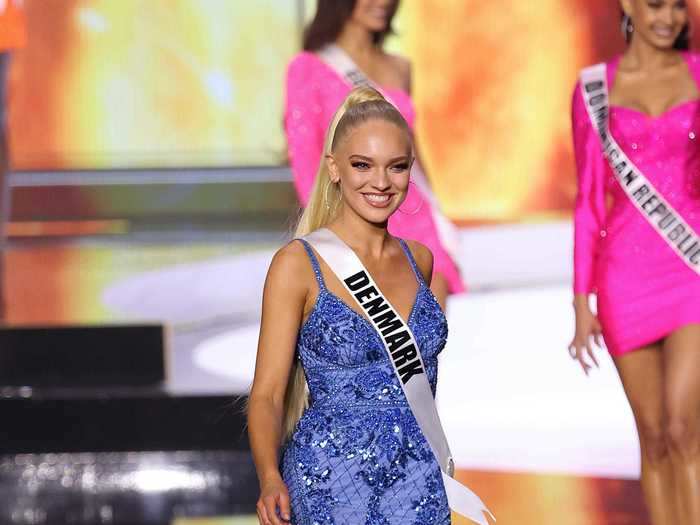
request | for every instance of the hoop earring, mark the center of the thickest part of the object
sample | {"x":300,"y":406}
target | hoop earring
{"x":325,"y":194}
{"x":626,"y":27}
{"x":420,"y":205}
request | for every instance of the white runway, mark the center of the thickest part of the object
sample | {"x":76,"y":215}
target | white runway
{"x":510,"y":396}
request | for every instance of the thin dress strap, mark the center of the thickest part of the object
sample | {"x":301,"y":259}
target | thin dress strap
{"x":314,"y":263}
{"x":416,"y":270}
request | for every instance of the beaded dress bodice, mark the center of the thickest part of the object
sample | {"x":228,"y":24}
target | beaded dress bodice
{"x":357,"y":455}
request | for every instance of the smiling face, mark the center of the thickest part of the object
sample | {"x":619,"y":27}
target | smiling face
{"x":658,"y":22}
{"x":372,"y":164}
{"x":373,"y":15}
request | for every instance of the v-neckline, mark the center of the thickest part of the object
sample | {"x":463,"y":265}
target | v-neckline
{"x":612,"y":76}
{"x":360,"y":316}
{"x":325,"y":290}
{"x":414,"y":271}
{"x":384,"y":90}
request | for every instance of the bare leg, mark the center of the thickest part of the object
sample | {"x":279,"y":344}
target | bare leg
{"x":440,"y":290}
{"x":4,"y":212}
{"x":682,"y":369}
{"x":642,"y":374}
{"x":4,"y":176}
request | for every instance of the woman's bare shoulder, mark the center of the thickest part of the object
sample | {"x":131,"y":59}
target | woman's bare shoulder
{"x":290,"y":268}
{"x":402,"y":67}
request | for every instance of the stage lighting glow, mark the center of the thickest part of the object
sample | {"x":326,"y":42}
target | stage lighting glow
{"x":163,"y":480}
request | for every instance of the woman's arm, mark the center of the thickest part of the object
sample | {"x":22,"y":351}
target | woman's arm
{"x":284,"y":297}
{"x":589,"y":216}
{"x":404,"y":69}
{"x":302,"y":124}
{"x":589,"y":212}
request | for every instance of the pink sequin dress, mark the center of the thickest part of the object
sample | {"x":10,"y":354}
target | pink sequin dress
{"x":644,"y":290}
{"x":314,"y":92}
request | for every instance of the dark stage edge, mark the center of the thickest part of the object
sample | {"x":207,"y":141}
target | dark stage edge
{"x":131,"y":488}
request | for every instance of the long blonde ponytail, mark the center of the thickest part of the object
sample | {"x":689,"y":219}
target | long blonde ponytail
{"x":361,"y":104}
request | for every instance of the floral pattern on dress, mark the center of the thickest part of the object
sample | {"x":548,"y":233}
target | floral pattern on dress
{"x":357,"y":455}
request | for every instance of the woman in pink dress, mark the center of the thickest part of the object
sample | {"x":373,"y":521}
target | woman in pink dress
{"x":648,"y":296}
{"x":350,"y":33}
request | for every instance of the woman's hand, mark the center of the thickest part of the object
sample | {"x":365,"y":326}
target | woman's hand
{"x":273,"y":496}
{"x":287,"y":288}
{"x":587,"y":328}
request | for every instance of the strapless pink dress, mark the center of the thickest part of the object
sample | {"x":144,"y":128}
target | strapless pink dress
{"x":644,"y":290}
{"x":314,"y":92}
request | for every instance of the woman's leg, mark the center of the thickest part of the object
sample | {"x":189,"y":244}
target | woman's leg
{"x":642,"y":375}
{"x":440,"y":289}
{"x":4,"y":175}
{"x":682,"y":387}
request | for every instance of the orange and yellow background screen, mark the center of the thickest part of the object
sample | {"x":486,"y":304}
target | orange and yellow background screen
{"x":106,"y":84}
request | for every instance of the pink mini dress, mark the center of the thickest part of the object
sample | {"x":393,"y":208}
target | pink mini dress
{"x":314,"y":91}
{"x":644,"y":290}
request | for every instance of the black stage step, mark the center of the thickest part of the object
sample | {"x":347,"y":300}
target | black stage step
{"x":82,"y":356}
{"x":134,"y":456}
{"x":89,"y":434}
{"x":107,"y":420}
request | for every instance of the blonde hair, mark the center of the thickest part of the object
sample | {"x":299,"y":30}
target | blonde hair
{"x":361,"y":105}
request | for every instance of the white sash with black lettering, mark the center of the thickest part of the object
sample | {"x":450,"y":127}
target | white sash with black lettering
{"x":338,"y":60}
{"x":668,"y":223}
{"x":401,"y":346}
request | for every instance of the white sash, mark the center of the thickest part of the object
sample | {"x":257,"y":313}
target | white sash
{"x":401,"y":346}
{"x":338,"y":60}
{"x":668,"y":223}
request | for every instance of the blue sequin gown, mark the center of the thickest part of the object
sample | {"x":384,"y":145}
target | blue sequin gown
{"x":357,"y":456}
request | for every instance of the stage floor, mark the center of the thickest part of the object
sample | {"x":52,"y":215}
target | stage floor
{"x":536,"y":438}
{"x":531,"y":499}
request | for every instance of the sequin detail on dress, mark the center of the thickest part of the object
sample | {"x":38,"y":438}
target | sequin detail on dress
{"x":357,"y":455}
{"x":644,"y":290}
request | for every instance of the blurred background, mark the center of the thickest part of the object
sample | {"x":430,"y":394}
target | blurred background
{"x":149,"y":189}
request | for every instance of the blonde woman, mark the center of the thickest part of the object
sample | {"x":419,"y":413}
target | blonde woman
{"x":357,"y":455}
{"x":342,"y":50}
